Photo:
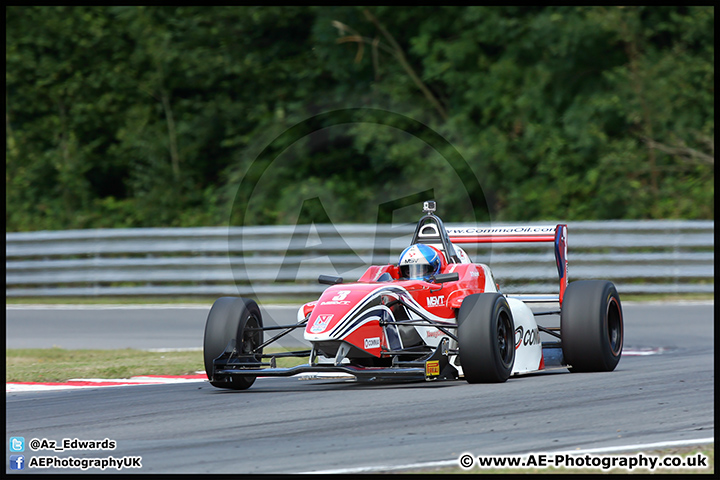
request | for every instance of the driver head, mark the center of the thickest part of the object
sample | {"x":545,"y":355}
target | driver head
{"x":420,"y":262}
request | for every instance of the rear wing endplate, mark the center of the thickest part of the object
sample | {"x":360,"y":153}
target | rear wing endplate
{"x":514,"y":234}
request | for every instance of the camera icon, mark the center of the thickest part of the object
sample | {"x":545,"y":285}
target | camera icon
{"x":17,"y":444}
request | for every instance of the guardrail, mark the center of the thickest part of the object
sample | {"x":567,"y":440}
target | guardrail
{"x":284,"y":261}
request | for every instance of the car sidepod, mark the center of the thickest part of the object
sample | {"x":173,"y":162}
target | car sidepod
{"x":528,"y":347}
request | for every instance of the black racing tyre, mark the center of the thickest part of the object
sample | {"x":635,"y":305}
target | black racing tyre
{"x":486,"y":338}
{"x":591,"y":326}
{"x":230,"y":318}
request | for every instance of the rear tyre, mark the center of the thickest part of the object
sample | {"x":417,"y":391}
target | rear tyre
{"x":486,"y":338}
{"x":591,"y":326}
{"x":229,"y":319}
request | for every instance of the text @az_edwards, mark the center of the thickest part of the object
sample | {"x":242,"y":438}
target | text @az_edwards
{"x":20,"y":462}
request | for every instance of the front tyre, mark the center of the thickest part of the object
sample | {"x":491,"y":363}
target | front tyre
{"x":231,"y":318}
{"x":591,"y":326}
{"x":486,"y":338}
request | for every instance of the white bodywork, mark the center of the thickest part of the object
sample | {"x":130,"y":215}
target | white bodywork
{"x":528,"y":348}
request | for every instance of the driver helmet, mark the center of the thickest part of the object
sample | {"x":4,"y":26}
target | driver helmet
{"x":419,"y":262}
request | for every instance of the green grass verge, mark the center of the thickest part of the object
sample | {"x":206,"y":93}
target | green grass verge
{"x":60,"y":365}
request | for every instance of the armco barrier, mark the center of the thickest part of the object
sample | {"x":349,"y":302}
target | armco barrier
{"x":284,"y":261}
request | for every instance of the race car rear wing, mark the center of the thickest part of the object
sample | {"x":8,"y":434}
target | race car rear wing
{"x":513,"y":234}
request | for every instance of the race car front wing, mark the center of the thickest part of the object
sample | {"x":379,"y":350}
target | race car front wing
{"x":432,"y":366}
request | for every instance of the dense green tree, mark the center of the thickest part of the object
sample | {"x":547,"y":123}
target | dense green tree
{"x":161,"y":116}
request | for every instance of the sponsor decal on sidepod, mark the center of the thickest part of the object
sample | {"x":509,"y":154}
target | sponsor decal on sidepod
{"x":529,"y":337}
{"x":438,"y":301}
{"x":372,"y":342}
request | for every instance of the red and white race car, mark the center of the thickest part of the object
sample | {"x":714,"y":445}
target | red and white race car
{"x":434,"y":315}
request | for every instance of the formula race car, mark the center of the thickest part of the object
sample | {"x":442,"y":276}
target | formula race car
{"x":434,"y":315}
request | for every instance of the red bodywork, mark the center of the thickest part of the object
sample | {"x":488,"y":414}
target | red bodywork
{"x":354,"y":313}
{"x":438,"y":301}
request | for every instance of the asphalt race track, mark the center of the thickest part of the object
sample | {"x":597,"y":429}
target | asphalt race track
{"x":112,"y":327}
{"x":662,"y":391}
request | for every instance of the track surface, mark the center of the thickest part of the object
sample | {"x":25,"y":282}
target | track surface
{"x":112,"y":327}
{"x":284,"y":425}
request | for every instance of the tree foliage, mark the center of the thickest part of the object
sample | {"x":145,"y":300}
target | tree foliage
{"x":154,"y":116}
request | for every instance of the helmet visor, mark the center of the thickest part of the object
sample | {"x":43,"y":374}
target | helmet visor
{"x":415,"y":271}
